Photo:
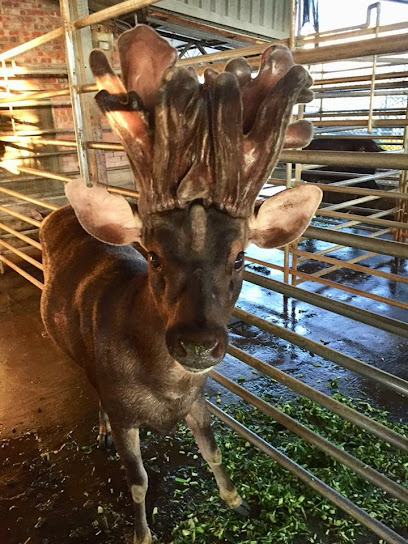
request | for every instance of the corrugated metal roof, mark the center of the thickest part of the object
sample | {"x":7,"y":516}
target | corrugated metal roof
{"x":269,"y":18}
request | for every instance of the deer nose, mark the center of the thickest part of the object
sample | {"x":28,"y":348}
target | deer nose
{"x":195,"y":350}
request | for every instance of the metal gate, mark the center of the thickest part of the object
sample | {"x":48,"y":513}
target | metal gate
{"x":21,"y":207}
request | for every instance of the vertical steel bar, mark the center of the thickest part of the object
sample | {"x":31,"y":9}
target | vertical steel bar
{"x":76,"y":42}
{"x":286,"y":249}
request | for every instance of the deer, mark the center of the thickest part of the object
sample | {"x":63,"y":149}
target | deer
{"x":140,"y":295}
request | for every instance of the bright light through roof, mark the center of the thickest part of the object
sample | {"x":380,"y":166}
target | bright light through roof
{"x":347,"y":13}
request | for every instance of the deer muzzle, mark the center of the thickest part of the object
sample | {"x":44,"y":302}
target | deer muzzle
{"x":197,"y":348}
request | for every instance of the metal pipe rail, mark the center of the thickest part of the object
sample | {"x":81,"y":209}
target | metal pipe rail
{"x":396,"y":384}
{"x":310,"y":479}
{"x":384,"y":247}
{"x":27,"y":198}
{"x":332,"y":35}
{"x":388,"y":435}
{"x":388,"y":324}
{"x":34,"y":96}
{"x":363,"y":219}
{"x":21,"y":254}
{"x":347,"y":158}
{"x":364,"y":470}
{"x":20,"y":216}
{"x":307,"y":255}
{"x":340,"y":158}
{"x":66,"y":179}
{"x":22,"y":272}
{"x":39,"y":156}
{"x":357,"y":123}
{"x":315,"y":278}
{"x":352,"y":190}
{"x":21,"y":236}
{"x":366,"y":77}
{"x":321,"y":54}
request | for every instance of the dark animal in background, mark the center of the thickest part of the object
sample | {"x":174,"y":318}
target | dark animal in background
{"x":366,"y":145}
{"x":146,"y":332}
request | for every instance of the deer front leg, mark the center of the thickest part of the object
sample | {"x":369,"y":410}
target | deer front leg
{"x":127,"y":444}
{"x":198,"y":419}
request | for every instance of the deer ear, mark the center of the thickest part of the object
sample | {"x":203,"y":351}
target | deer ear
{"x":285,"y":216}
{"x":107,"y":217}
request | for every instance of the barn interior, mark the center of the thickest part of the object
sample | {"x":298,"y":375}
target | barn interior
{"x":323,"y":319}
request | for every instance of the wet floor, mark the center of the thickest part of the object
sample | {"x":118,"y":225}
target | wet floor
{"x":56,"y":486}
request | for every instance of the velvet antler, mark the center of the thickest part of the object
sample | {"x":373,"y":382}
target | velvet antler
{"x":217,"y":141}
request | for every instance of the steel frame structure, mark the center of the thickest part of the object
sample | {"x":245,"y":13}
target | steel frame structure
{"x":90,"y":148}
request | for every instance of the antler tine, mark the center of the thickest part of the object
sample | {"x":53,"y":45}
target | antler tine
{"x":144,"y":57}
{"x":198,"y":182}
{"x":241,"y":69}
{"x":265,"y":141}
{"x":299,"y":134}
{"x":227,"y":141}
{"x":125,"y":115}
{"x":174,"y":126}
{"x":276,"y":61}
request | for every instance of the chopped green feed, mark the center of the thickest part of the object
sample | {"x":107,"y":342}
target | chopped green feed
{"x":283,"y":509}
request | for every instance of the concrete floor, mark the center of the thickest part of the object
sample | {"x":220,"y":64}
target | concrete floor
{"x":52,"y":478}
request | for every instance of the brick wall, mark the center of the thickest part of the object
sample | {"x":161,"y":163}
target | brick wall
{"x":24,"y":20}
{"x":21,"y":21}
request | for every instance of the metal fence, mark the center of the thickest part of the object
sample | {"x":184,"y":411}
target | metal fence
{"x":379,"y":233}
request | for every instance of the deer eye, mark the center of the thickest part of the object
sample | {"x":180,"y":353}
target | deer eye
{"x":239,"y":261}
{"x":154,"y":260}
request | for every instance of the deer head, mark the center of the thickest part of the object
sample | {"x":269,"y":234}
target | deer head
{"x":200,"y":153}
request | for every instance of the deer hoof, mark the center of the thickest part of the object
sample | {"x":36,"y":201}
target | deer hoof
{"x":105,"y":440}
{"x":243,"y":509}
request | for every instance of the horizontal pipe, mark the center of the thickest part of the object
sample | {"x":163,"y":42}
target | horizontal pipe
{"x":347,"y":158}
{"x":344,"y":189}
{"x":357,"y":113}
{"x":21,"y":196}
{"x":20,"y":216}
{"x":353,"y":94}
{"x":310,"y":479}
{"x":360,"y":420}
{"x":329,"y":283}
{"x":348,"y":460}
{"x":34,"y":96}
{"x":362,"y":219}
{"x":66,"y":179}
{"x":62,"y":143}
{"x":329,"y":35}
{"x":317,"y":55}
{"x":21,"y":254}
{"x":384,"y":247}
{"x":112,"y":12}
{"x":339,"y":158}
{"x":352,"y":190}
{"x":396,"y":384}
{"x":388,"y":324}
{"x":359,"y":123}
{"x":306,"y":255}
{"x":105,"y":145}
{"x":32,"y":44}
{"x":351,"y":79}
{"x":19,"y":157}
{"x":315,"y":277}
{"x":22,"y":272}
{"x":21,"y":236}
{"x":360,"y":86}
